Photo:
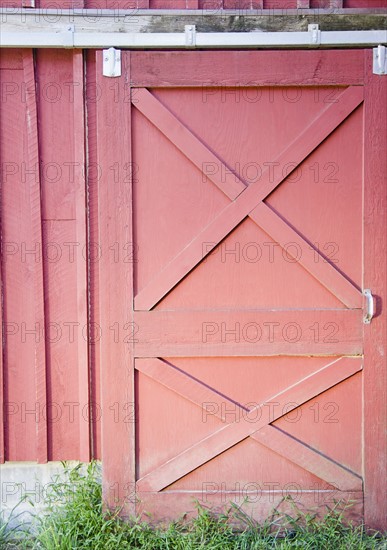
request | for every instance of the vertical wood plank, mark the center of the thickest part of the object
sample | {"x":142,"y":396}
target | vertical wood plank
{"x":95,"y":254}
{"x":32,"y":155}
{"x":3,"y":62}
{"x":22,"y":281}
{"x":10,"y":58}
{"x":62,"y":147}
{"x":81,"y":266}
{"x":11,"y":158}
{"x":2,"y":448}
{"x":116,"y":289}
{"x":375,"y":277}
{"x":212,"y":5}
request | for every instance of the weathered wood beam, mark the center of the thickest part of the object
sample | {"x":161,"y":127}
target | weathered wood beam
{"x":160,"y":21}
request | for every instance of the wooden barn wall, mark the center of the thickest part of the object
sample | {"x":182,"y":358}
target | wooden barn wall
{"x":50,"y":254}
{"x":46,"y":368}
{"x":196,"y":4}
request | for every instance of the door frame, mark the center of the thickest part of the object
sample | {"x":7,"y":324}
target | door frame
{"x":328,"y":67}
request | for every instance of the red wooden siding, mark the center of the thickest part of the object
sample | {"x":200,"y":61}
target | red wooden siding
{"x":22,"y":268}
{"x":44,"y":267}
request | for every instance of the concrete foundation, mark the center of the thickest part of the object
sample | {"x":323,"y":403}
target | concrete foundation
{"x":24,"y":487}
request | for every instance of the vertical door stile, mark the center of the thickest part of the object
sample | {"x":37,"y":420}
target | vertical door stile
{"x":116,"y":286}
{"x":375,"y":277}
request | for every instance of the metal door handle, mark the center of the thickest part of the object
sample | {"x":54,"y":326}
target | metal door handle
{"x":370,"y":310}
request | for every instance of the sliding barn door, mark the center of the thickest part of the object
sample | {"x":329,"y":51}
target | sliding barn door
{"x":237,"y":199}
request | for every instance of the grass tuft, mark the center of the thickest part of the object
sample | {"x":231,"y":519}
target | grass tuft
{"x":75,"y":520}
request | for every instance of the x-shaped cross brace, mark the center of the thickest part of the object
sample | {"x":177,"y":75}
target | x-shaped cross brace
{"x":247,"y":201}
{"x":232,"y":433}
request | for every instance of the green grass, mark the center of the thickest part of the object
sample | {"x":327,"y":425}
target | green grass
{"x":75,"y":521}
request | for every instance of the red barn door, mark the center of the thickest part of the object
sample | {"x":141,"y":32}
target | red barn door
{"x":239,"y":194}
